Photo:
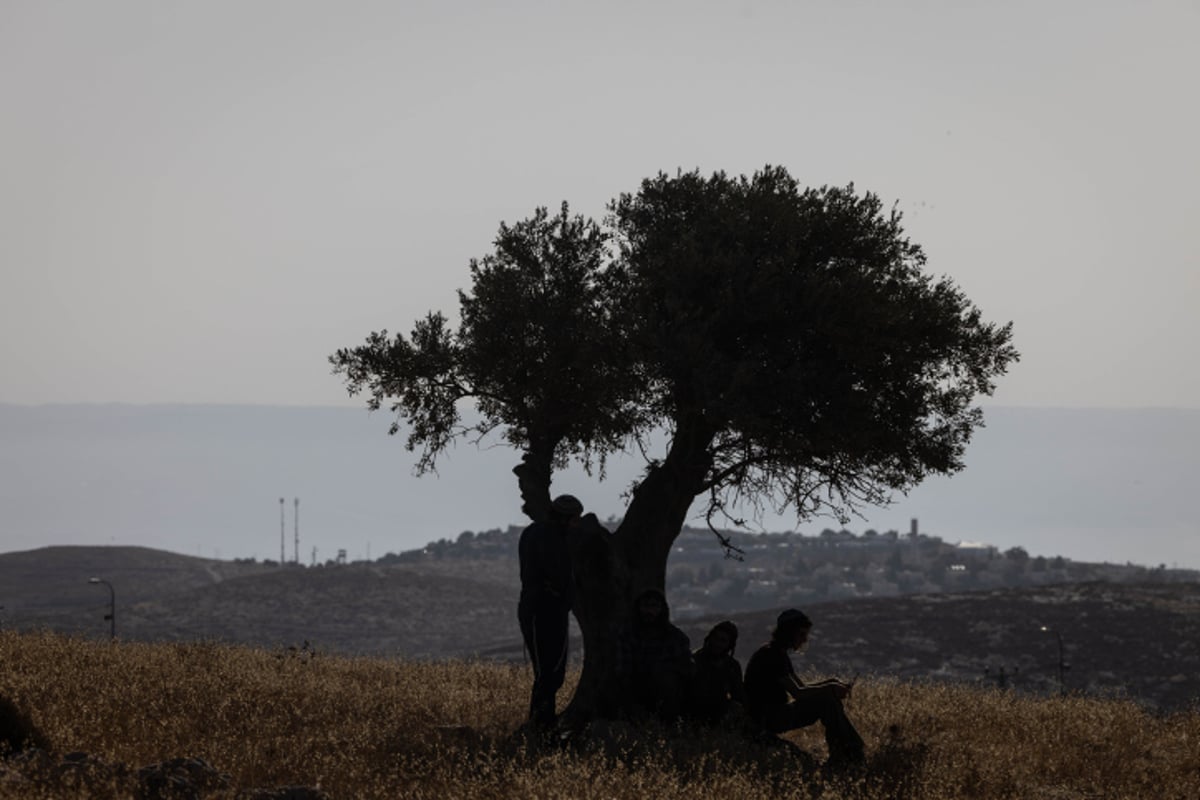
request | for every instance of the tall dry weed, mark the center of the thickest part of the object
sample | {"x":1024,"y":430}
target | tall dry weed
{"x":377,"y":728}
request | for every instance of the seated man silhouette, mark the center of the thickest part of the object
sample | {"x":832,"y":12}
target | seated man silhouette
{"x":654,"y":660}
{"x":771,"y":681}
{"x":717,"y":691}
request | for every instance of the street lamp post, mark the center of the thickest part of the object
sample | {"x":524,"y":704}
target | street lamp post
{"x":1062,"y":664}
{"x":111,"y":616}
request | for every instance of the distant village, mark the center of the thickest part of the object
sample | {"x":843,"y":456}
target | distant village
{"x":770,"y":570}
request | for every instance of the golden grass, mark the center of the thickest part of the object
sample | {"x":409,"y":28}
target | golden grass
{"x":373,"y":728}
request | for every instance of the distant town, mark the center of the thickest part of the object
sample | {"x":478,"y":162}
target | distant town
{"x":909,"y":606}
{"x":770,"y":570}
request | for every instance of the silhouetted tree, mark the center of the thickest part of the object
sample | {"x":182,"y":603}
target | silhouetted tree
{"x":786,"y":339}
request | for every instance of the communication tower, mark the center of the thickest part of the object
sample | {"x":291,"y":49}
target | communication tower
{"x":281,"y":533}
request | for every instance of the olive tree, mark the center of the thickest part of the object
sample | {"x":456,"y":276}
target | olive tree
{"x":787,"y":340}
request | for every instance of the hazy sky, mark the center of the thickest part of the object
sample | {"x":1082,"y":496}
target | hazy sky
{"x":200,"y":201}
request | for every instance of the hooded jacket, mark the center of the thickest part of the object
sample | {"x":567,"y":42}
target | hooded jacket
{"x":650,"y":647}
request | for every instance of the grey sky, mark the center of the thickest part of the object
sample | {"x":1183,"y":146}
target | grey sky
{"x":200,"y":201}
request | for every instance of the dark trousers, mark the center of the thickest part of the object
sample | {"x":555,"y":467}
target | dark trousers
{"x":841,"y":737}
{"x":544,"y":629}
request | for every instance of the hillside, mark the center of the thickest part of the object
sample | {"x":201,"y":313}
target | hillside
{"x":50,"y":585}
{"x":356,"y":608}
{"x":218,"y":722}
{"x":361,"y":608}
{"x":1131,"y":639}
{"x":764,"y":571}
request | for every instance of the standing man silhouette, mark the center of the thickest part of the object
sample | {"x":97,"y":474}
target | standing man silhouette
{"x":546,"y":597}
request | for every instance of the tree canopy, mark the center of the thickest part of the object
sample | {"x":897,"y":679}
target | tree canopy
{"x":787,"y":339}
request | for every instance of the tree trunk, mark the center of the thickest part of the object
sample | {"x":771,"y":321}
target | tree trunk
{"x":533,"y":480}
{"x":611,"y":569}
{"x":601,"y":588}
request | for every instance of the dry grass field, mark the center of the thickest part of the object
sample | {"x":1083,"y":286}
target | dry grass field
{"x":375,"y":728}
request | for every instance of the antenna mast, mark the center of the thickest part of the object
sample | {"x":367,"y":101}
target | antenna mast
{"x":281,"y":534}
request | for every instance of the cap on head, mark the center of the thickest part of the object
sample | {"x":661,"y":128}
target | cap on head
{"x":567,"y":506}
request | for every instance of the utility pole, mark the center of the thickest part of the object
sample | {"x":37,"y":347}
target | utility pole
{"x":281,"y":533}
{"x":111,"y":616}
{"x":296,"y":520}
{"x":1002,"y":677}
{"x":1062,"y":663}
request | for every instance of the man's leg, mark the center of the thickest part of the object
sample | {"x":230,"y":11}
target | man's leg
{"x":525,"y":617}
{"x":845,"y":745}
{"x":549,"y":654}
{"x":840,"y":735}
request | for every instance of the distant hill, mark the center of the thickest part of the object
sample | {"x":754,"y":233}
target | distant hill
{"x":1136,"y":639}
{"x":356,"y":608}
{"x":50,"y":585}
{"x":1091,"y":484}
{"x":762,"y":571}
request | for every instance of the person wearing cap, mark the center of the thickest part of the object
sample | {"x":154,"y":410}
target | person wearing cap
{"x":717,"y":683}
{"x":771,"y":680}
{"x":545,"y":603}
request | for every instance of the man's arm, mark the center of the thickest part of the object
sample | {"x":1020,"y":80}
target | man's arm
{"x":840,"y":687}
{"x":799,"y":690}
{"x":793,"y":685}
